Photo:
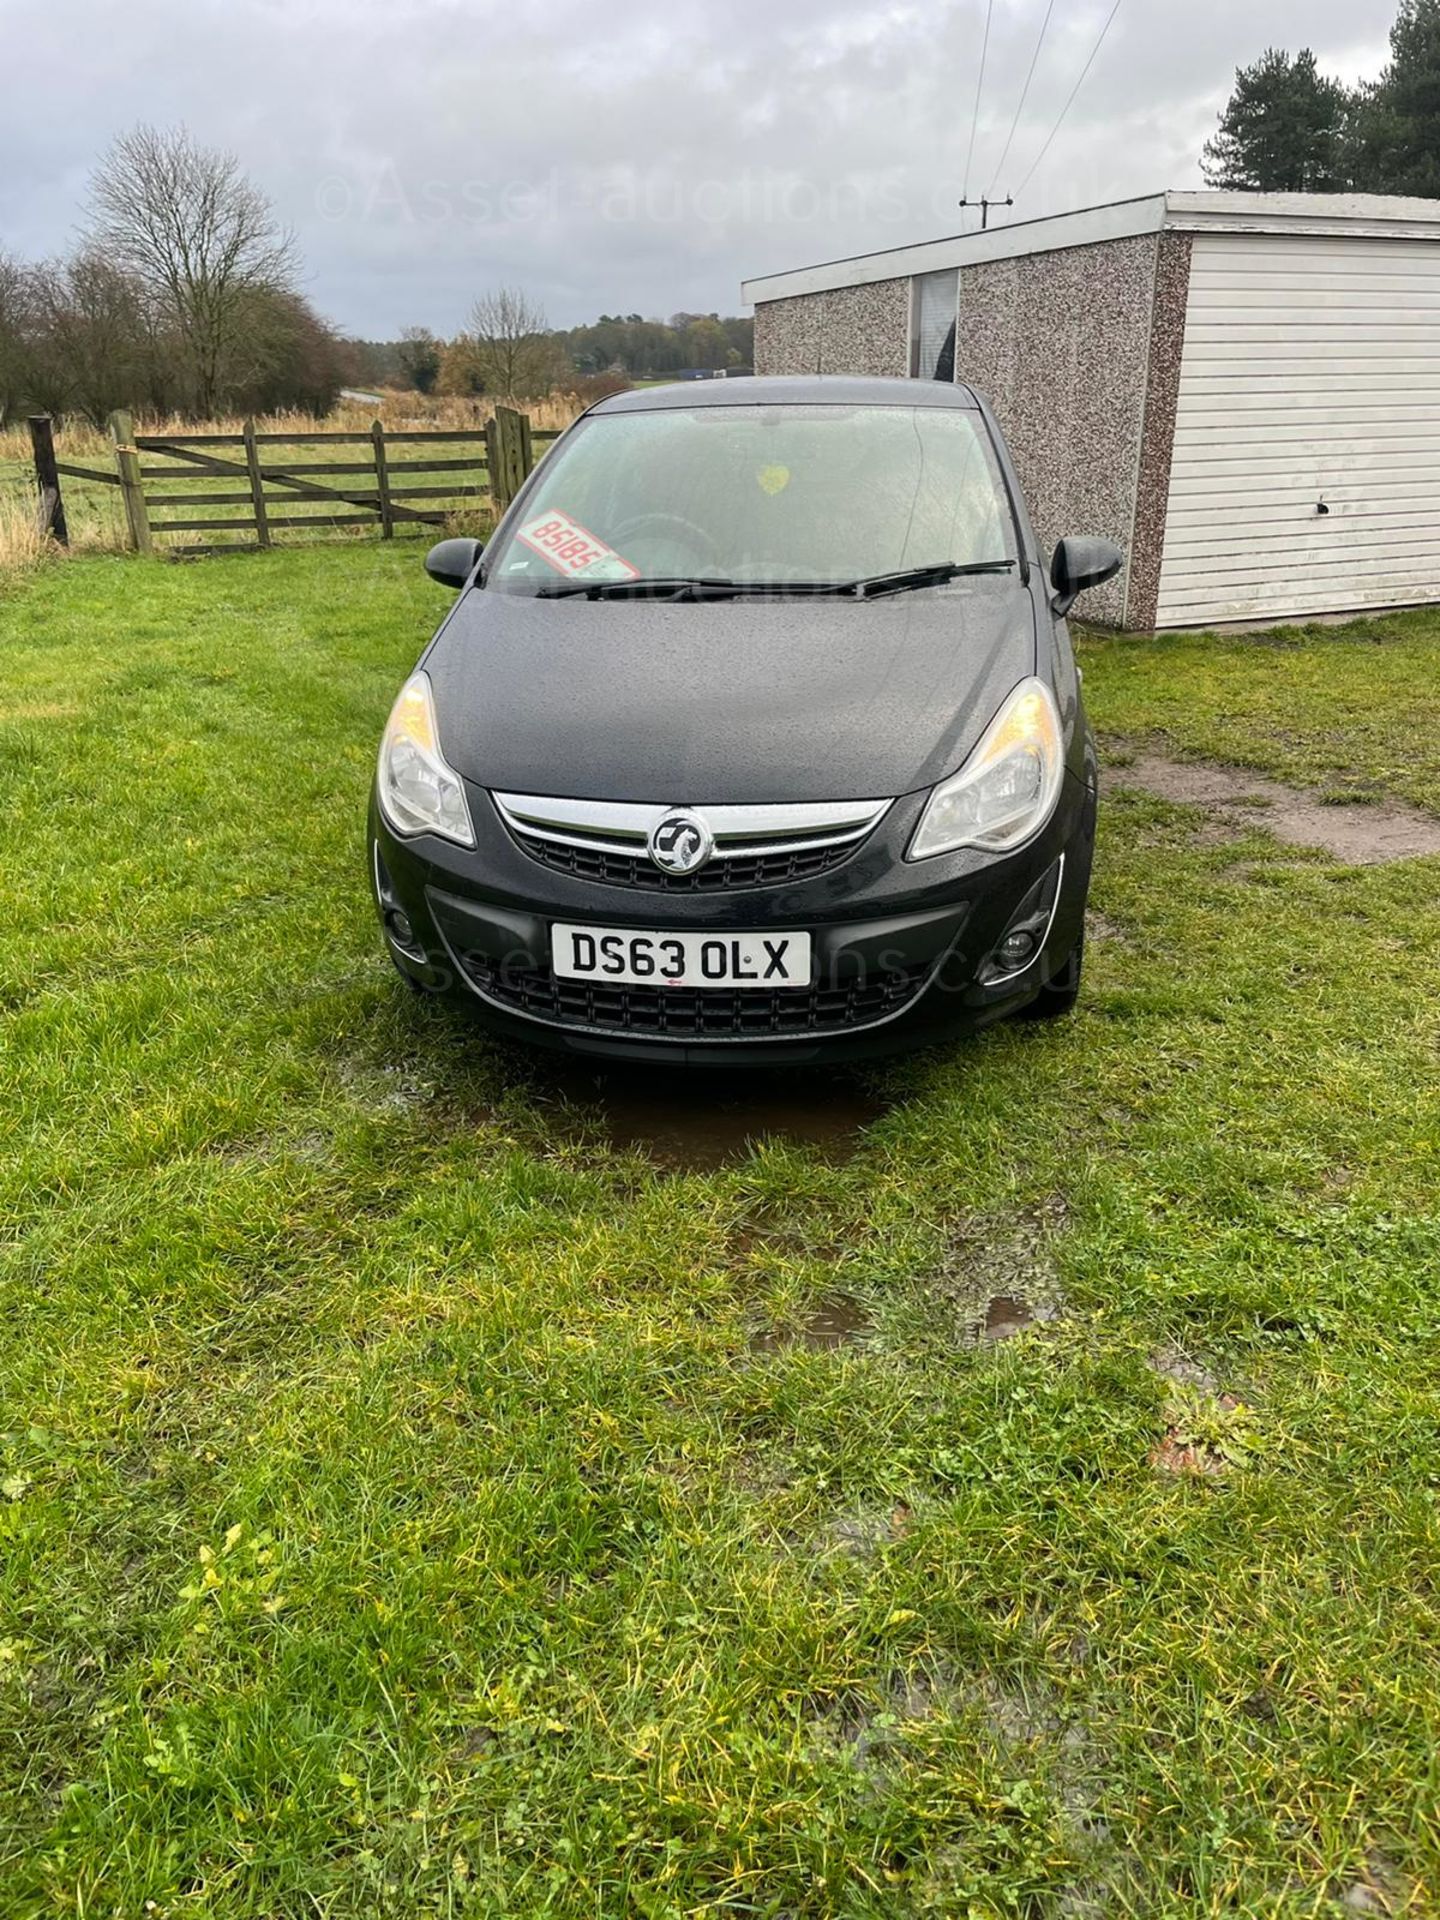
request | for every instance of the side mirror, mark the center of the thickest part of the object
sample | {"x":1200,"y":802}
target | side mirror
{"x":451,"y":562}
{"x":1081,"y":562}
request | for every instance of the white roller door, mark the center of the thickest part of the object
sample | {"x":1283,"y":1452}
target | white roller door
{"x":1311,"y":373}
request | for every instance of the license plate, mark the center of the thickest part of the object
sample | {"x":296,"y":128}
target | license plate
{"x":629,"y":958}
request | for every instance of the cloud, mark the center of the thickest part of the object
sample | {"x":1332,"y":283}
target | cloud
{"x":632,"y":159}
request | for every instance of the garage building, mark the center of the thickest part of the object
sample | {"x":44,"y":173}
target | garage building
{"x":1242,"y":389}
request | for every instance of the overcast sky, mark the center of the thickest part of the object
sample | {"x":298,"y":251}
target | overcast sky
{"x":626,"y":157}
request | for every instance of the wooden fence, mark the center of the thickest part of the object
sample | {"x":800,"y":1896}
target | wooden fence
{"x":255,"y":477}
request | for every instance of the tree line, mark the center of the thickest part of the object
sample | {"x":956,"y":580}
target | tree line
{"x":1289,"y":128}
{"x":182,"y":297}
{"x":508,"y":348}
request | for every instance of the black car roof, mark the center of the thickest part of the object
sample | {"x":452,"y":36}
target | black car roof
{"x":780,"y":390}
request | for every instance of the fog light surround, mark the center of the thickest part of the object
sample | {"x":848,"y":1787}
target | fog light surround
{"x":399,"y":929}
{"x":1023,"y":941}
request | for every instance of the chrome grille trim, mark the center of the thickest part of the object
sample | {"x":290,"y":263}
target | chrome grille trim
{"x":741,"y":832}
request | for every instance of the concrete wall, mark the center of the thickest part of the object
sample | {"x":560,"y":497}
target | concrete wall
{"x":1059,"y":343}
{"x":1162,"y":399}
{"x":861,"y":330}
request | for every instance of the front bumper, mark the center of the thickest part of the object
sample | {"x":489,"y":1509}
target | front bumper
{"x":902,"y":952}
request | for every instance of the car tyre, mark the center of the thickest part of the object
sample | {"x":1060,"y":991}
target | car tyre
{"x":1059,"y":994}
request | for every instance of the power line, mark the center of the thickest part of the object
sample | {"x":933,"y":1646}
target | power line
{"x":1071,"y":101}
{"x":979,"y":89}
{"x":1024,"y":96}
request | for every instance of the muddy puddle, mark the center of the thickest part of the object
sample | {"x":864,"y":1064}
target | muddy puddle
{"x":1006,"y":1316}
{"x":697,"y":1122}
{"x":1360,"y":835}
{"x":836,"y":1322}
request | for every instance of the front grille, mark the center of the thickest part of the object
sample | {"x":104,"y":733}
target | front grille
{"x":682,"y":1013}
{"x":723,"y":873}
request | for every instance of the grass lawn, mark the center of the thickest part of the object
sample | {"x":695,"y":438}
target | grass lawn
{"x":410,"y":1503}
{"x":1348,"y":710}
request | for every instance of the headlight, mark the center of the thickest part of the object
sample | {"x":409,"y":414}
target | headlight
{"x":1008,"y":787}
{"x":419,"y":793}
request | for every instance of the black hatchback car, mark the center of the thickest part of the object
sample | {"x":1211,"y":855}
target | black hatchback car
{"x":754,"y":733}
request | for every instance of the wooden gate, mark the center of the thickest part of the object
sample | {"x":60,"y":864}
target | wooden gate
{"x":243,"y":483}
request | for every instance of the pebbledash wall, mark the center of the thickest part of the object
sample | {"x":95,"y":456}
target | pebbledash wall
{"x":1243,"y":390}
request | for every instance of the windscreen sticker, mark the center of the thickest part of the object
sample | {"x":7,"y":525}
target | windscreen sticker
{"x":773,"y":480}
{"x":573,"y":550}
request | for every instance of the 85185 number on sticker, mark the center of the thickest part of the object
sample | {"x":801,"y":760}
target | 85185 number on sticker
{"x":572,"y":549}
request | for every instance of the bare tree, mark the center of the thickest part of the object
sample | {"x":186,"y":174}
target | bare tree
{"x":17,"y":314}
{"x":202,"y":239}
{"x":508,"y":349}
{"x":94,"y":346}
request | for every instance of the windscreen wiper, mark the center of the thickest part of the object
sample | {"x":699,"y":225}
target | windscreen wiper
{"x":644,"y":588}
{"x":656,"y":588}
{"x":913,"y":578}
{"x":647,"y":588}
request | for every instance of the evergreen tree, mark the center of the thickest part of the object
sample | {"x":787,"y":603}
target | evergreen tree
{"x":1284,"y":128}
{"x":1397,"y":135}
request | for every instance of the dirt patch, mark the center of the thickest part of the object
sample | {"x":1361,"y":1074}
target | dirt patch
{"x":836,"y":1322}
{"x":1038,"y":1737}
{"x":1103,"y":931}
{"x":1359,"y":835}
{"x":1183,"y":1371}
{"x":382,"y":1088}
{"x":865,"y":1531}
{"x":999,"y":1275}
{"x":1381,"y":1889}
{"x":695,"y":1123}
{"x":311,"y":1148}
{"x":870,"y":1725}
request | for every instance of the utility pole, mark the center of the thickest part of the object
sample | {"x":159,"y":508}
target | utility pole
{"x":985,"y":206}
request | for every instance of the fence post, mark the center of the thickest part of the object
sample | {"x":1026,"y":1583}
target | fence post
{"x":498,"y":497}
{"x":382,"y":480}
{"x":527,"y":454}
{"x":515,"y":446}
{"x":47,"y":479}
{"x":257,"y":485}
{"x":507,"y":437}
{"x":127,"y":465}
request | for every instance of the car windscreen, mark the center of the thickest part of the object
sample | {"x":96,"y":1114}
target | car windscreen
{"x":759,"y":495}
